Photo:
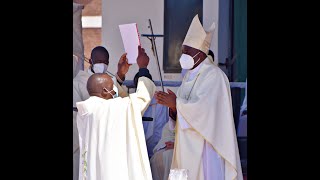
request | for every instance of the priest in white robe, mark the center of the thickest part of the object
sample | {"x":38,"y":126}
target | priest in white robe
{"x":99,"y":64}
{"x":110,"y":129}
{"x":205,"y":143}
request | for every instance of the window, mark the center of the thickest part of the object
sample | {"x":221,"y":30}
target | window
{"x":178,"y":15}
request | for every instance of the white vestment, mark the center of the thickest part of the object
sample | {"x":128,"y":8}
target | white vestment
{"x":80,"y":93}
{"x":162,"y":158}
{"x":206,"y":143}
{"x":111,"y":137}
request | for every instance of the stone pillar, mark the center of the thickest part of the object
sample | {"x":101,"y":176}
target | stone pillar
{"x":78,"y":49}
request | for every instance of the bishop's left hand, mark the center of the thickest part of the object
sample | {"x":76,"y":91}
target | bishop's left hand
{"x":166,"y":99}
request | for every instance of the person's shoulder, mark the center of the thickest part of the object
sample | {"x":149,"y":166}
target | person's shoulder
{"x":210,"y":69}
{"x":82,"y":76}
{"x":88,"y":106}
{"x":120,"y":100}
{"x":213,"y":73}
{"x":82,"y":107}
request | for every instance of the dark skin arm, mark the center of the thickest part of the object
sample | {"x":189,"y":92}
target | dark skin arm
{"x":143,"y":58}
{"x":123,"y":66}
{"x":173,"y":114}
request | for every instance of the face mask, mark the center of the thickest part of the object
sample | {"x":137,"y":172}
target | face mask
{"x":187,"y":62}
{"x":114,"y":79}
{"x":100,"y":68}
{"x":115,"y":89}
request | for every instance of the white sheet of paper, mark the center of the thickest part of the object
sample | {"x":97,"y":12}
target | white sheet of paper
{"x":131,"y":41}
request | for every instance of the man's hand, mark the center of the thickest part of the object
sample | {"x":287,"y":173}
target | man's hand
{"x":173,"y":114}
{"x":169,"y":145}
{"x":143,"y":58}
{"x":166,"y":99}
{"x":123,"y":66}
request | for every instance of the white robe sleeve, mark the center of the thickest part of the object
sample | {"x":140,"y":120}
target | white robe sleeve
{"x":144,"y":93}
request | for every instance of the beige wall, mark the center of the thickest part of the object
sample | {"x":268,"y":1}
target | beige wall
{"x":116,"y":12}
{"x":93,"y":8}
{"x":91,"y":39}
{"x":91,"y":36}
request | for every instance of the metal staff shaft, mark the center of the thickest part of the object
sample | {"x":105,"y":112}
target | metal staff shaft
{"x":155,"y":50}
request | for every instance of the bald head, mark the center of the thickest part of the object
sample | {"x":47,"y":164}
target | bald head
{"x":100,"y":54}
{"x":97,"y":83}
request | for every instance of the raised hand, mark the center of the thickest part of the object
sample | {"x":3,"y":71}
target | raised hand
{"x":143,"y":58}
{"x":123,"y":66}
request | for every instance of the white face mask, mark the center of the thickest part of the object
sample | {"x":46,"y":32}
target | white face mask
{"x":187,"y":62}
{"x":100,"y":68}
{"x":115,"y":89}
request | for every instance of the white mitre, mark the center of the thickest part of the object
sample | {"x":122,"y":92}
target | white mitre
{"x":197,"y":37}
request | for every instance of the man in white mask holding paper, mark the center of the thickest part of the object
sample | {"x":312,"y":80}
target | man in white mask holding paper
{"x":205,"y":140}
{"x":99,"y":63}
